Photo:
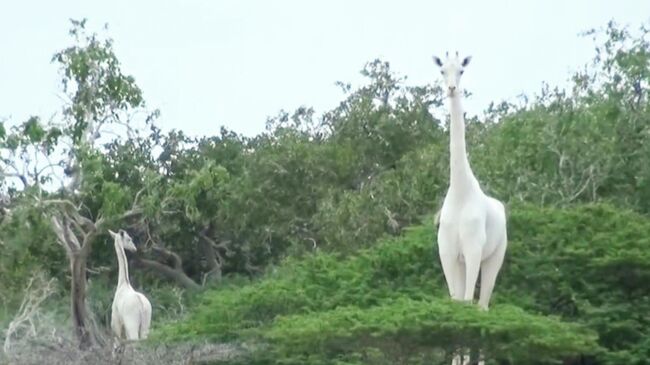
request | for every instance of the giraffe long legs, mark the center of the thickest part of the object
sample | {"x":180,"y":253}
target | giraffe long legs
{"x":489,"y":271}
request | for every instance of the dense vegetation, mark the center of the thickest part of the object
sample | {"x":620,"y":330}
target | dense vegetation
{"x":296,"y":242}
{"x":571,"y":282}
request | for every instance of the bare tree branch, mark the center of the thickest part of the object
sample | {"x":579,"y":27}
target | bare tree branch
{"x":177,"y":262}
{"x":136,"y":200}
{"x":173,"y":272}
{"x":221,"y":245}
{"x":66,"y":238}
{"x":38,"y":289}
{"x":584,"y":185}
{"x":214,"y":260}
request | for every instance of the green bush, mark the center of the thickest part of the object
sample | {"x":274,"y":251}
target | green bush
{"x":572,"y":285}
{"x":421,"y":331}
{"x":589,"y":264}
{"x":319,"y":282}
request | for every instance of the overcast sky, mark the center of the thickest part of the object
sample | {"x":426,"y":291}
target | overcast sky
{"x":210,"y":63}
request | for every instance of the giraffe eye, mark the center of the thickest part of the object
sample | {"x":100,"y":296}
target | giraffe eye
{"x":442,"y":72}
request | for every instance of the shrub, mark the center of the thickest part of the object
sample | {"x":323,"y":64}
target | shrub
{"x":572,"y":285}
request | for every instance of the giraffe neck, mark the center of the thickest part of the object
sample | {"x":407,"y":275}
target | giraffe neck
{"x":123,"y":266}
{"x":461,"y":175}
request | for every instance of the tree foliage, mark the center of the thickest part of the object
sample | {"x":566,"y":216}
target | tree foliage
{"x":571,"y":280}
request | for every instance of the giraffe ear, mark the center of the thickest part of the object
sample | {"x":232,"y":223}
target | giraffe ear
{"x":466,"y":61}
{"x":113,"y":234}
{"x":437,"y":60}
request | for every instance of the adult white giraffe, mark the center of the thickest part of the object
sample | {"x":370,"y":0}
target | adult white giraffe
{"x":131,"y":310}
{"x":472,"y":229}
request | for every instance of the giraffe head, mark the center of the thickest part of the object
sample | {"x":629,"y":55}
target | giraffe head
{"x":451,"y":71}
{"x":124,"y":239}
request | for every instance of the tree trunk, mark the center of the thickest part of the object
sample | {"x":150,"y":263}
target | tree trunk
{"x":78,"y":299}
{"x":213,"y":264}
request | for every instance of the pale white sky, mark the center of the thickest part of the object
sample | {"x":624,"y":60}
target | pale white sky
{"x":210,"y":63}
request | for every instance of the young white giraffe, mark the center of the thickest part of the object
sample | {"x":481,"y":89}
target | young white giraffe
{"x":472,"y":226}
{"x":131,"y":310}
